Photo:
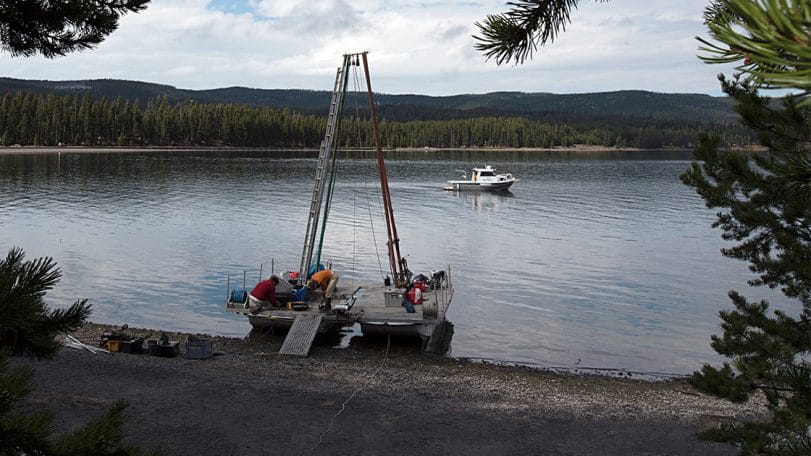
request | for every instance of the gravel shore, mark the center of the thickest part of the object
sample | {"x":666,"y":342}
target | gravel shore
{"x":374,"y":399}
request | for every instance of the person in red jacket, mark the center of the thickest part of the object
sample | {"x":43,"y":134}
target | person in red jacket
{"x":264,"y":293}
{"x":413,"y":296}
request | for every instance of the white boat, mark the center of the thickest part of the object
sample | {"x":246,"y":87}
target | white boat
{"x":483,"y":179}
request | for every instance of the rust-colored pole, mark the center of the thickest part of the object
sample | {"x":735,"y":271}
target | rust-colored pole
{"x":394,"y":241}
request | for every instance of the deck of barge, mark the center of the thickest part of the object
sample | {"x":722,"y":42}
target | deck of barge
{"x":370,"y":310}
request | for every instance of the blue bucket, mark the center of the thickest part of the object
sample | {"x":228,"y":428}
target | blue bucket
{"x":239,"y":295}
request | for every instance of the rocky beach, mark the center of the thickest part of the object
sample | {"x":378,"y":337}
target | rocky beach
{"x":377,"y":398}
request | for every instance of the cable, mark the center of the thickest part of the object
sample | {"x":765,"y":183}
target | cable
{"x":357,"y":86}
{"x":343,"y":406}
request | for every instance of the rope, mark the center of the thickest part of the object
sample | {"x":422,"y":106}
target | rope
{"x":354,"y":234}
{"x":351,"y":396}
{"x":372,"y":224}
{"x":357,"y":85}
{"x":356,"y":89}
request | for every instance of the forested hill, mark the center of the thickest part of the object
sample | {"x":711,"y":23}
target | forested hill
{"x":574,"y":108}
{"x":128,"y":113}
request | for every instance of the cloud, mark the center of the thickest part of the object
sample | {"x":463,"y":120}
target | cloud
{"x":415,"y":47}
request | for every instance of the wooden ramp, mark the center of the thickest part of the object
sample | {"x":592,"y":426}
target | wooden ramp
{"x":301,"y":335}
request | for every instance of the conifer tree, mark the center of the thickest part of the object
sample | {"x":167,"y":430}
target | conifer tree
{"x":764,"y":203}
{"x":29,"y":27}
{"x":515,"y":34}
{"x":29,"y":327}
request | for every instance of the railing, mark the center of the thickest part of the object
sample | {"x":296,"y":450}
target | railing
{"x":442,"y":295}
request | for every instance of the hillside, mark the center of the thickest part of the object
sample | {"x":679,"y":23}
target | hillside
{"x":573,"y":108}
{"x":131,"y":113}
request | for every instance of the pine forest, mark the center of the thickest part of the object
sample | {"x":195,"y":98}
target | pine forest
{"x":32,"y":119}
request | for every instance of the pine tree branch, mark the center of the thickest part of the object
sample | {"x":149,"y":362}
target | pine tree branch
{"x":29,"y":27}
{"x":515,"y":34}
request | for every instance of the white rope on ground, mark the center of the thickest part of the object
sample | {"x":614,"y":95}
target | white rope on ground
{"x":73,"y":342}
{"x":359,"y":389}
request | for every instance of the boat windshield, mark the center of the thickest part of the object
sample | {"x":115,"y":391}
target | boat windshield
{"x":487,"y":173}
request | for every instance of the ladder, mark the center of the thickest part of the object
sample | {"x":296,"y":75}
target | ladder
{"x":324,"y":158}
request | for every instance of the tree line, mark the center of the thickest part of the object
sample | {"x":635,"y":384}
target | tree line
{"x":31,"y":119}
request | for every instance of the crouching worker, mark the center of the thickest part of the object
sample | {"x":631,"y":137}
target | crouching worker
{"x":264,"y":294}
{"x":326,"y":280}
{"x":413,"y":296}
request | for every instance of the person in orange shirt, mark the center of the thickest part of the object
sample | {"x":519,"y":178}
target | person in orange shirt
{"x":326,"y":280}
{"x":321,"y":279}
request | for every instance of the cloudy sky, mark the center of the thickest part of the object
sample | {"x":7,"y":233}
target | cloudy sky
{"x":422,"y":47}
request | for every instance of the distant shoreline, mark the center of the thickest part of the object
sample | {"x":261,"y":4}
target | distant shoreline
{"x":20,"y":150}
{"x":92,"y":149}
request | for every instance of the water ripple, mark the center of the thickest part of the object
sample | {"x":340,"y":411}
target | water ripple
{"x":610,"y":261}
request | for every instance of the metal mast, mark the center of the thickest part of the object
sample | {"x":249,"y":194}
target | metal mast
{"x":395,"y":261}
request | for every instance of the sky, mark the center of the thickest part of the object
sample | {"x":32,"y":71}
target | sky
{"x":415,"y":47}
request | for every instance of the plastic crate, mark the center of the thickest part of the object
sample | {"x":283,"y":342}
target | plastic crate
{"x":199,"y":349}
{"x":169,"y":350}
{"x":133,"y":346}
{"x":393,"y":297}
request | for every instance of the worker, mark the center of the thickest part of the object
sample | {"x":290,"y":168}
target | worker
{"x":263,"y":294}
{"x":413,"y":296}
{"x":321,"y":279}
{"x":326,"y":280}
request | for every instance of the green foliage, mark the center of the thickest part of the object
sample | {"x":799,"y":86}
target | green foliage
{"x":764,"y":204}
{"x":622,"y":106}
{"x":516,"y":34}
{"x":31,"y":434}
{"x":101,"y":436}
{"x":28,"y":327}
{"x":21,"y":433}
{"x":772,"y":39}
{"x":28,"y":27}
{"x":47,"y":120}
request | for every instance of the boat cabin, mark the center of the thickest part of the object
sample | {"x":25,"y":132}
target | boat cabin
{"x":488,"y":174}
{"x":487,"y":171}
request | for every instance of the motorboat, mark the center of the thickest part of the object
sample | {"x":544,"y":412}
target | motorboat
{"x":482,"y":179}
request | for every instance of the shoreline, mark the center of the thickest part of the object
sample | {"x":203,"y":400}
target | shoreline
{"x":372,"y":348}
{"x":374,"y":399}
{"x":31,"y":150}
{"x":91,"y":149}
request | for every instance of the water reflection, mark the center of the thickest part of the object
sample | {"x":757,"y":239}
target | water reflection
{"x":483,"y":201}
{"x":606,"y":258}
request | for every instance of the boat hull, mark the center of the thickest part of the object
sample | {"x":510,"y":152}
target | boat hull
{"x":399,"y":329}
{"x":459,"y":186}
{"x":282,"y":321}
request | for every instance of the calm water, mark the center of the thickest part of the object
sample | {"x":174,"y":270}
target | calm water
{"x":597,"y":260}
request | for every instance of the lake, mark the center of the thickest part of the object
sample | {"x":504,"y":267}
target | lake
{"x":594,"y":260}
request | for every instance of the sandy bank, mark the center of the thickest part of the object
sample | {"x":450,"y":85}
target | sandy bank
{"x":374,"y":399}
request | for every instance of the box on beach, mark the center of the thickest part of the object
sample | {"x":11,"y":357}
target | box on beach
{"x":133,"y":346}
{"x":199,"y":349}
{"x":113,"y":346}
